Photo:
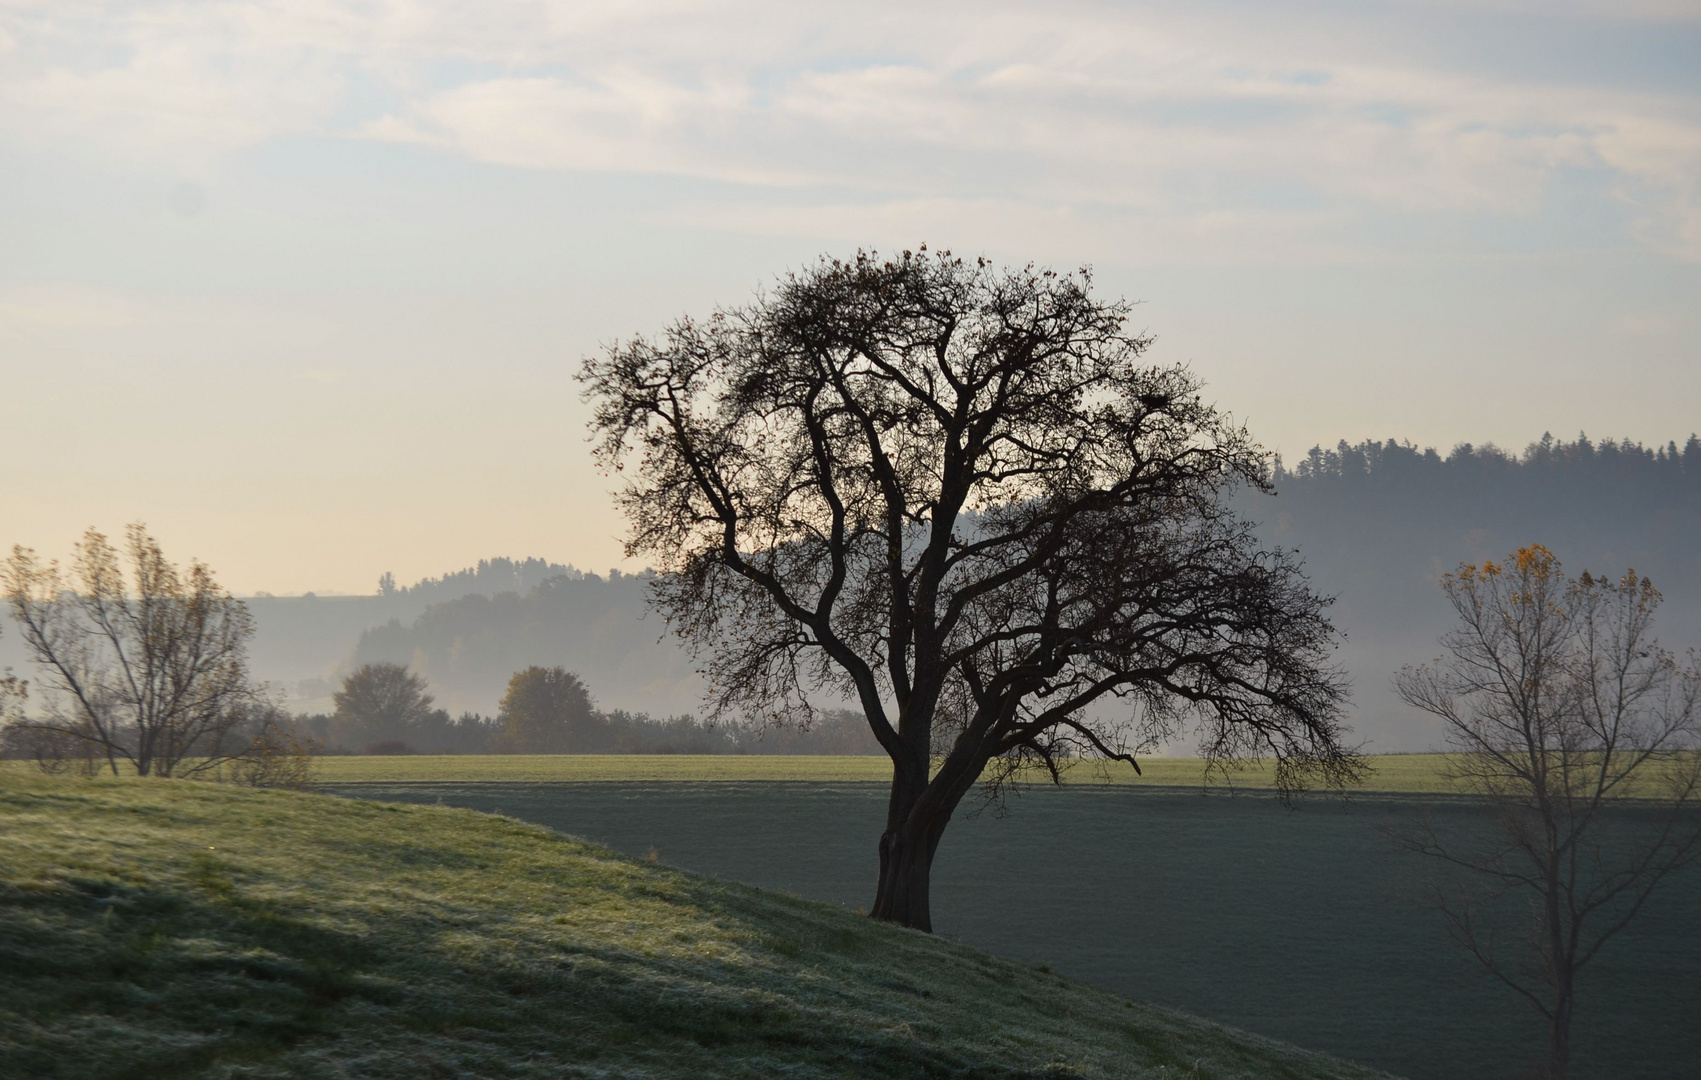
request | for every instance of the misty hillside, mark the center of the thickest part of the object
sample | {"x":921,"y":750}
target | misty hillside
{"x":304,"y":643}
{"x":468,"y":647}
{"x":469,"y":630}
{"x":1379,"y":523}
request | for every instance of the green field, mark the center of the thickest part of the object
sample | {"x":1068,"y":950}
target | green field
{"x":1301,"y":925}
{"x":1391,"y":773}
{"x":173,"y":928}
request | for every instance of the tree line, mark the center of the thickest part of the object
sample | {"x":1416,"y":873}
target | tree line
{"x":1359,"y":504}
{"x":1580,"y":462}
{"x":489,"y":576}
{"x":1374,"y":512}
{"x":386,"y":708}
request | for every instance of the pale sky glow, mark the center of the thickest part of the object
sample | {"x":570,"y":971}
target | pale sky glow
{"x":304,"y":284}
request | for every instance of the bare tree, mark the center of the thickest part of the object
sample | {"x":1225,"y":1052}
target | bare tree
{"x":1580,"y":731}
{"x":152,"y":671}
{"x":958,"y":496}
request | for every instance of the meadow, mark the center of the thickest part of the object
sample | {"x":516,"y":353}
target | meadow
{"x":1390,"y":773}
{"x":1302,"y":925}
{"x":156,"y":928}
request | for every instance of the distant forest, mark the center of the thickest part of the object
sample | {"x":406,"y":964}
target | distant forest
{"x":1607,"y":506}
{"x":1378,"y":523}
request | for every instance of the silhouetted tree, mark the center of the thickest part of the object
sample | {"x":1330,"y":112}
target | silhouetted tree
{"x":381,"y":703}
{"x":548,"y":711}
{"x":1580,"y":731}
{"x":958,"y":495}
{"x":152,"y":670}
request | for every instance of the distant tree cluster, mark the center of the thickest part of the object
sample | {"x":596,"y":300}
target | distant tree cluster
{"x":385,"y":708}
{"x":469,"y":647}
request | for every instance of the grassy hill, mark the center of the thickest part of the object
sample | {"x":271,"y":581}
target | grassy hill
{"x":173,"y":928}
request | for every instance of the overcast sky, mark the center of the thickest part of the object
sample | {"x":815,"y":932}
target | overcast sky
{"x":303,"y":283}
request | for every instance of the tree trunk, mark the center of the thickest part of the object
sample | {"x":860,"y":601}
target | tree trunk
{"x":1559,"y":1037}
{"x":916,"y":815}
{"x":1562,"y":971}
{"x":906,"y":863}
{"x":915,"y":820}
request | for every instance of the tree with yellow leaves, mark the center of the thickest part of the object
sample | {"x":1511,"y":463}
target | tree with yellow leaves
{"x":1580,"y":731}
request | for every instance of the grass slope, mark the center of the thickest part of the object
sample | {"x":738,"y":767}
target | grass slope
{"x":1391,"y":773}
{"x":176,"y":928}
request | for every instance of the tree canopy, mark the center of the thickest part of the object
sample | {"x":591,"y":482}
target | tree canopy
{"x":382,"y":702}
{"x":548,"y":711}
{"x":960,"y":496}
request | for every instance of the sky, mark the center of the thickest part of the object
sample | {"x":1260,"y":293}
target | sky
{"x":303,"y":284}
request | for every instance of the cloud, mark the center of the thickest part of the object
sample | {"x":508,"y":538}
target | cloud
{"x":1301,"y":122}
{"x":624,"y":121}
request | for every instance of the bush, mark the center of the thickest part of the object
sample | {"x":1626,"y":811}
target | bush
{"x":54,"y":751}
{"x":277,"y":756}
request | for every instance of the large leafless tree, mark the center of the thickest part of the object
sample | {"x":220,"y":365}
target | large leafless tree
{"x":960,"y":496}
{"x":1580,"y":731}
{"x":151,"y":670}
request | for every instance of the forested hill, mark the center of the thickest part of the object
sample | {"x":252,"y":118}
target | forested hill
{"x":1379,"y":523}
{"x":303,"y":642}
{"x":468,"y":631}
{"x":467,"y":648}
{"x":489,"y":577}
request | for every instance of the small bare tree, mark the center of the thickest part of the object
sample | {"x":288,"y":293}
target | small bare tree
{"x":152,"y":671}
{"x":1580,"y":732}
